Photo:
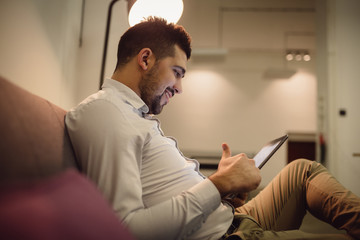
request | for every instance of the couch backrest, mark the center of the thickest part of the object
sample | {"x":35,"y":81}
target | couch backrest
{"x":33,"y":140}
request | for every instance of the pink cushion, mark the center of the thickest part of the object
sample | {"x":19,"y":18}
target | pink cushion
{"x":67,"y":206}
{"x":34,"y":143}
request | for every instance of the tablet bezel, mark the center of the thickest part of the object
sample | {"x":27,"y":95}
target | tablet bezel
{"x":278,"y":142}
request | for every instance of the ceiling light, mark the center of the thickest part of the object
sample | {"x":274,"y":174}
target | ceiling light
{"x":298,"y":56}
{"x":170,"y":10}
{"x":289,"y":56}
{"x":306,"y":57}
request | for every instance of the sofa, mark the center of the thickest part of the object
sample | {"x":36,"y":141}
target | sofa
{"x":43,"y":194}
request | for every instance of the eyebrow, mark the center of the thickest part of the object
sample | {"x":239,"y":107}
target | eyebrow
{"x":183,"y":71}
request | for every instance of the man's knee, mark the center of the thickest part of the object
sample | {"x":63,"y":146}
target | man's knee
{"x":306,"y":168}
{"x":301,"y":162}
{"x":302,"y":168}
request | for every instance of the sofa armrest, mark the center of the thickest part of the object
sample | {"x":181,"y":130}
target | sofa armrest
{"x":34,"y":143}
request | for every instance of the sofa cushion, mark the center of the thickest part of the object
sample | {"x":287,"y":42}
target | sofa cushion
{"x":34,"y":143}
{"x":65,"y":206}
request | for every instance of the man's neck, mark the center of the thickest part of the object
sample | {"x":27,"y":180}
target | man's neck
{"x":129,"y":77}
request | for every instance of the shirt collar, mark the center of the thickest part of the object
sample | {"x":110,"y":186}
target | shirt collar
{"x":127,"y":94}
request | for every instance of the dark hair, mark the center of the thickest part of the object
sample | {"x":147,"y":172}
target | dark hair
{"x":156,"y":34}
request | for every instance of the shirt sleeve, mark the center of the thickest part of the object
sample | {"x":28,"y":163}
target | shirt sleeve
{"x":109,"y":149}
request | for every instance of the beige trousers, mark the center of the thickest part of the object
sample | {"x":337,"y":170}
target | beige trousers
{"x":278,"y":210}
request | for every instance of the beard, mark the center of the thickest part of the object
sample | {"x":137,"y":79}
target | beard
{"x":149,"y":85}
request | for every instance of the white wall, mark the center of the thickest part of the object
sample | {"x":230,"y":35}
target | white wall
{"x":339,"y":76}
{"x":226,"y":97}
{"x":91,"y":52}
{"x":38,"y":45}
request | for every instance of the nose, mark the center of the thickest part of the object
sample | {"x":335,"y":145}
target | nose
{"x":178,"y":87}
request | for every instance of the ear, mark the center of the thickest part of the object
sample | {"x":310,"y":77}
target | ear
{"x":145,"y":58}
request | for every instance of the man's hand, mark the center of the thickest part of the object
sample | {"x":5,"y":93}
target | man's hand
{"x":235,"y":175}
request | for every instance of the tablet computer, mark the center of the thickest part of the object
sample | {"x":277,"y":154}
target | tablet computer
{"x":268,"y":150}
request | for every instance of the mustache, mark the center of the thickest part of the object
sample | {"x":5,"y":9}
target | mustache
{"x":171,"y":90}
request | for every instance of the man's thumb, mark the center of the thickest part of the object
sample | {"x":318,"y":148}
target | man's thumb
{"x":226,"y":151}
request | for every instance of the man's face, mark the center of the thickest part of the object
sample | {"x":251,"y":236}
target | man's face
{"x":163,"y":81}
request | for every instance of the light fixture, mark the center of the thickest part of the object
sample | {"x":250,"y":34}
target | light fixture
{"x":306,"y":56}
{"x":297,"y":55}
{"x":170,"y":10}
{"x":289,"y":56}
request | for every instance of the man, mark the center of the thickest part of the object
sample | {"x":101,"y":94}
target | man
{"x":159,"y":193}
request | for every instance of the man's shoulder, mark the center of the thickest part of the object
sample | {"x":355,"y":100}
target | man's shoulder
{"x":101,"y":101}
{"x":107,"y":106}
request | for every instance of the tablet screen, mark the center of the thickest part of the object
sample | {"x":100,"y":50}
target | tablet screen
{"x":268,"y":150}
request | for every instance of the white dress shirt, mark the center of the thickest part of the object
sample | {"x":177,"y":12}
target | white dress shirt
{"x":156,"y":191}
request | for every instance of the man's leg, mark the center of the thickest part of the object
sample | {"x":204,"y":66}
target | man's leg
{"x":304,"y":185}
{"x":246,"y":228}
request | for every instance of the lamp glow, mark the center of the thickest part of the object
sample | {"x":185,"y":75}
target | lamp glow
{"x":289,"y":56}
{"x":298,"y":56}
{"x":171,"y":10}
{"x":306,"y":57}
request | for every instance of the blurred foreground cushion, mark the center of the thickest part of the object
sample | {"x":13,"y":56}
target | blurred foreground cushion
{"x":65,"y":206}
{"x":34,"y":142}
